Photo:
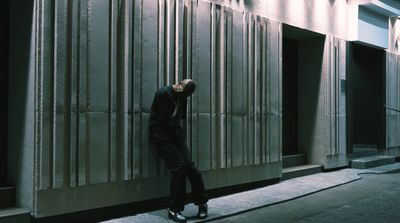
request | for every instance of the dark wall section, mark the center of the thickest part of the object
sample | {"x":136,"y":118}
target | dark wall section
{"x":367,"y":73}
{"x":4,"y":27}
{"x":289,"y":91}
{"x":20,"y":159}
{"x":311,"y":111}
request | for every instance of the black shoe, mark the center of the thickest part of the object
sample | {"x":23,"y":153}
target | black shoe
{"x":176,"y":216}
{"x":203,"y":211}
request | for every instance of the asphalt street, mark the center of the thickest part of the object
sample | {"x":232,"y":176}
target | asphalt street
{"x":373,"y":199}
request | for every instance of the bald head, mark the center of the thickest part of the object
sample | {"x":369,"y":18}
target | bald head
{"x":186,"y":87}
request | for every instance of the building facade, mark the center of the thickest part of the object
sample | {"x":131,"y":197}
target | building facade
{"x":275,"y":78}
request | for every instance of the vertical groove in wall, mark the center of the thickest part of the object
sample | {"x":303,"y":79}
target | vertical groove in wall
{"x":326,"y":74}
{"x":256,"y":90}
{"x":87,"y":96}
{"x":334,"y":96}
{"x":252,"y":88}
{"x":247,"y":88}
{"x":114,"y":95}
{"x":109,"y":87}
{"x":129,"y":14}
{"x":76,"y":84}
{"x":219,"y":103}
{"x":83,"y":82}
{"x":194,"y":57}
{"x":161,"y":43}
{"x":228,"y":88}
{"x":136,"y":74}
{"x":337,"y":95}
{"x":126,"y":24}
{"x":397,"y":71}
{"x":37,"y":177}
{"x":186,"y":65}
{"x":244,"y":87}
{"x":213,"y":82}
{"x":268,"y":91}
{"x":52,"y":93}
{"x":38,"y":99}
{"x":179,"y":25}
{"x":278,"y":149}
{"x":330,"y":98}
{"x":263,"y":92}
{"x":121,"y":166}
{"x":128,"y":30}
{"x":68,"y":149}
{"x":170,"y":41}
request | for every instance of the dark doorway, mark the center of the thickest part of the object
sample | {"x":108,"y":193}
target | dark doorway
{"x":366,"y":98}
{"x":289,"y":93}
{"x":302,"y":53}
{"x":4,"y":37}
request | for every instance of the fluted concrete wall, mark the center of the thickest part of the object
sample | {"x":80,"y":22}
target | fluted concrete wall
{"x":393,"y":101}
{"x":98,"y":65}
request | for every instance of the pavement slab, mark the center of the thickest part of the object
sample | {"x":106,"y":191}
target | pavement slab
{"x":283,"y":191}
{"x":249,"y":200}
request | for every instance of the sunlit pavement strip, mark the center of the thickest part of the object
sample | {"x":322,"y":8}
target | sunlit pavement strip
{"x":266,"y":196}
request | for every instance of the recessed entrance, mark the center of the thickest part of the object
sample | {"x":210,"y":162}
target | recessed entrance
{"x":366,"y":98}
{"x":301,"y":70}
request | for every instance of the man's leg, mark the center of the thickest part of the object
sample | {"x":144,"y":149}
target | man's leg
{"x":194,"y":176}
{"x":197,"y":184}
{"x":176,"y":165}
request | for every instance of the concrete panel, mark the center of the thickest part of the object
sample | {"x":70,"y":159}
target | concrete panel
{"x":149,"y":54}
{"x":98,"y":56}
{"x":202,"y":62}
{"x":81,"y":84}
{"x":73,"y":132}
{"x":204,"y":141}
{"x":97,"y":147}
{"x":237,"y":140}
{"x":60,"y":142}
{"x":237,"y":83}
{"x":148,"y":154}
{"x":83,"y":150}
{"x":60,"y":55}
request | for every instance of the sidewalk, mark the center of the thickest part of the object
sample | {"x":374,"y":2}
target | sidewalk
{"x":277,"y":193}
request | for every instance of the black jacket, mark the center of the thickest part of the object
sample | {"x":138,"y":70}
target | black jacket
{"x":163,"y":126}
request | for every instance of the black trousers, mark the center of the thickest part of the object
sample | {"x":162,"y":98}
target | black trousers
{"x":178,"y":161}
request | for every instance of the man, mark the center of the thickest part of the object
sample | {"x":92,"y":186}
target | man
{"x":167,"y":135}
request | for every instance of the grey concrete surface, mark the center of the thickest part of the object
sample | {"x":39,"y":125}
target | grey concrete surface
{"x":347,"y":195}
{"x":250,"y":200}
{"x":373,"y":199}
